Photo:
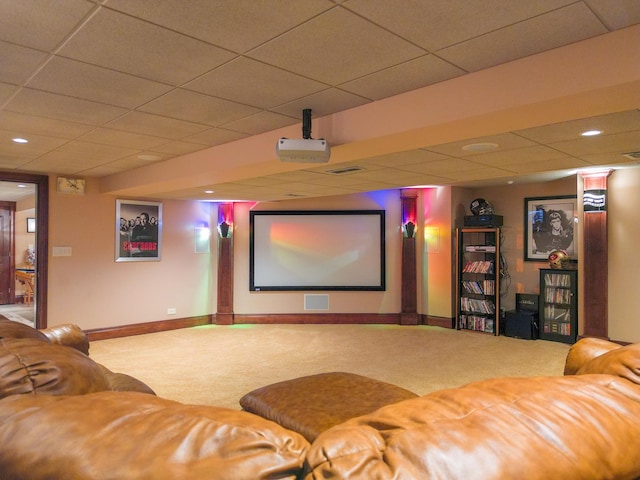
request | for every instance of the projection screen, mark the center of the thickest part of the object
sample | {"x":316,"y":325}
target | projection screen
{"x":317,"y":250}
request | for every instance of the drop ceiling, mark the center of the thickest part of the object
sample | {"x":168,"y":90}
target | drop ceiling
{"x":115,"y":90}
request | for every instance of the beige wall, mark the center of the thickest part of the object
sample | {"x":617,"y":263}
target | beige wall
{"x":91,"y":289}
{"x":508,"y":201}
{"x":623,"y":217}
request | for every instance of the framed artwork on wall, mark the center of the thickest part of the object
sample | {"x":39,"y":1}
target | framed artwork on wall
{"x":31,"y":225}
{"x":138,"y":231}
{"x":549,"y":224}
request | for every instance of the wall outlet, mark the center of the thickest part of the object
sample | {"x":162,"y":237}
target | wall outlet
{"x":171,"y":311}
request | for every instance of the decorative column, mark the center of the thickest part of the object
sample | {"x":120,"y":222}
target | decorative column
{"x":409,"y":300}
{"x":595,"y":256}
{"x":224,"y":315}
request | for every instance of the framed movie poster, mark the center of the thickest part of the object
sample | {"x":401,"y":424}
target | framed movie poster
{"x":550,"y":225}
{"x":138,"y":231}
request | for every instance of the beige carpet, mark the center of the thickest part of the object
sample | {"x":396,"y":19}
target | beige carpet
{"x":216,"y":365}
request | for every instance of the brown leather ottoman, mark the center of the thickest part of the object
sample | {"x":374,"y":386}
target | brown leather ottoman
{"x":310,"y":405}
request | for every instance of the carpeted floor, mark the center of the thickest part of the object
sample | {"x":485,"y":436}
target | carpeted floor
{"x":216,"y":365}
{"x":19,"y":312}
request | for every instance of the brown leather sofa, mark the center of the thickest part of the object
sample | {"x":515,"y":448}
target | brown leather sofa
{"x":69,"y":423}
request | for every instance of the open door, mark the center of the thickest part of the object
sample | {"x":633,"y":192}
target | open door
{"x":41,"y":244}
{"x":7,"y":211}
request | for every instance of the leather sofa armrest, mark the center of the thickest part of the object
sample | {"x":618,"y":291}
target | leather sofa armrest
{"x":69,"y":335}
{"x":121,"y":382}
{"x":585,"y":350}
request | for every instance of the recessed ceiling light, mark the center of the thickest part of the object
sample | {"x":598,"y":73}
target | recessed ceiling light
{"x":209,"y":191}
{"x":509,"y":182}
{"x":480,"y":147}
{"x":21,"y":185}
{"x":20,"y":140}
{"x":591,"y":133}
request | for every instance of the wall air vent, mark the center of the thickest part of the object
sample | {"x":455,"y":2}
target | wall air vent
{"x":342,"y":171}
{"x":632,"y":155}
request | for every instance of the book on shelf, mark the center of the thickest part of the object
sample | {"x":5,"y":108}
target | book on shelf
{"x":478,"y":266}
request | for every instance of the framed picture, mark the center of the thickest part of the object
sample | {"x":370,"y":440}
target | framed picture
{"x":138,"y":231}
{"x":549,"y":224}
{"x":31,"y":225}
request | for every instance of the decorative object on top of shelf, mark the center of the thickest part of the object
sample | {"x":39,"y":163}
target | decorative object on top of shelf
{"x":483,"y":215}
{"x":558,"y":259}
{"x":138,"y":231}
{"x":480,"y":206}
{"x":31,"y":256}
{"x":31,"y":225}
{"x":549,"y":226}
{"x":75,"y":186}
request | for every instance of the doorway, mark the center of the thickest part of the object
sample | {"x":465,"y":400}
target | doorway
{"x":33,"y":275}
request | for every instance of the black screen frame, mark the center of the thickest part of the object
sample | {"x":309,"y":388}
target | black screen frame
{"x":381,"y":284}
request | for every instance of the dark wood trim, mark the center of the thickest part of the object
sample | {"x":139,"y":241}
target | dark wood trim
{"x":595,"y":259}
{"x":42,"y":238}
{"x":318,"y":318}
{"x":149,"y":327}
{"x":444,"y":322}
{"x":409,"y":289}
{"x":225,"y":281}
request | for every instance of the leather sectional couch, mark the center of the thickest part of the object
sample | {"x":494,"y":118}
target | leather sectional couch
{"x":62,"y":416}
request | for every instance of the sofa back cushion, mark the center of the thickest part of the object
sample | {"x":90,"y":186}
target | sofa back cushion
{"x":623,"y":362}
{"x":130,"y":435}
{"x":29,"y":366}
{"x":579,"y":426}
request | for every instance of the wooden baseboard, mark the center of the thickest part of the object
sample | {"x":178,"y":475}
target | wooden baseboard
{"x":267,"y":319}
{"x":149,"y":327}
{"x":318,"y":318}
{"x":445,"y":322}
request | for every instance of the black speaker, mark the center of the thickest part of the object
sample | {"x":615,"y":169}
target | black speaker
{"x":521,"y":324}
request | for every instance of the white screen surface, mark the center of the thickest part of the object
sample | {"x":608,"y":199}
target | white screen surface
{"x":342,"y":250}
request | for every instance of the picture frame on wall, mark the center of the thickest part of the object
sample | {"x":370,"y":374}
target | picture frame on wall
{"x":138,"y":231}
{"x":550,"y":225}
{"x":31,"y":225}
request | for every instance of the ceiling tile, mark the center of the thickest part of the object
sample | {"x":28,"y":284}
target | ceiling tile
{"x":618,"y":14}
{"x":7,"y":91}
{"x":44,"y":104}
{"x":198,"y":108}
{"x":561,"y":27}
{"x":618,"y":142}
{"x":254,"y":83}
{"x":77,"y":79}
{"x":41,"y":25}
{"x":178,"y":148}
{"x":155,"y":125}
{"x":608,"y":124}
{"x":435,"y":24}
{"x":322,"y":103}
{"x":505,"y":141}
{"x":260,"y":122}
{"x":416,"y":73}
{"x":123,"y":43}
{"x":108,"y":136}
{"x":41,"y":126}
{"x":335,"y":47}
{"x":18,"y":63}
{"x":217,"y":22}
{"x":215,"y":136}
{"x":38,"y":144}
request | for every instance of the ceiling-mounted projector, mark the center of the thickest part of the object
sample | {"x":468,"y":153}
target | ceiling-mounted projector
{"x":305,"y":150}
